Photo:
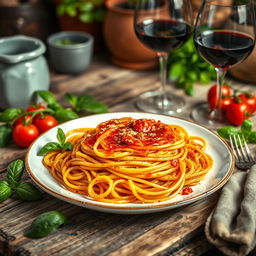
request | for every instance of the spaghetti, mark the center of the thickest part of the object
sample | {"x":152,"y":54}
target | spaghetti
{"x":130,"y":160}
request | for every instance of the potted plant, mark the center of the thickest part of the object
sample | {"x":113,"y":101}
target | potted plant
{"x":82,"y":15}
{"x":126,"y":49}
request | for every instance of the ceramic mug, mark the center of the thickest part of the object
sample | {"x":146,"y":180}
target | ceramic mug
{"x":23,"y":70}
{"x":70,"y":51}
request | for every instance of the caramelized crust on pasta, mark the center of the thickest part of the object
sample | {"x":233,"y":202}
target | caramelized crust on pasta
{"x":130,"y":160}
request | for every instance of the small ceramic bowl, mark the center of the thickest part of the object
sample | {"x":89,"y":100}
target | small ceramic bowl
{"x":70,"y":51}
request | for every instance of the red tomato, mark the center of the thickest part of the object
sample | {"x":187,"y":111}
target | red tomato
{"x":186,"y":191}
{"x":22,"y":120}
{"x":24,"y":135}
{"x":225,"y":102}
{"x":35,"y":107}
{"x":44,"y":123}
{"x":226,"y":91}
{"x":237,"y":112}
{"x":250,"y":100}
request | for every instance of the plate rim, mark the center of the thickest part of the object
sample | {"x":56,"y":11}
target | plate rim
{"x":166,"y":204}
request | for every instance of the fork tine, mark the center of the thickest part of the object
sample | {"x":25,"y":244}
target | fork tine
{"x":233,"y":146}
{"x":248,"y":151}
{"x":242,"y":153}
{"x":242,"y":150}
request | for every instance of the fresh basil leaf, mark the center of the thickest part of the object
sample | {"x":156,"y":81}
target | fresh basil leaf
{"x":27,"y":191}
{"x":54,"y":106}
{"x":47,"y":96}
{"x":5,"y":135}
{"x":67,"y":146}
{"x":247,"y":125}
{"x":14,"y":172}
{"x":64,"y":115}
{"x":5,"y":190}
{"x":61,"y":136}
{"x":83,"y":101}
{"x":176,"y":70}
{"x":227,"y":131}
{"x":71,"y":99}
{"x":10,"y":114}
{"x":45,"y":223}
{"x":96,"y":107}
{"x":189,"y":89}
{"x":252,"y":137}
{"x":50,"y":146}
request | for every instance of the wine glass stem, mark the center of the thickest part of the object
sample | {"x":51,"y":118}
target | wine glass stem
{"x":216,"y":113}
{"x":163,"y":58}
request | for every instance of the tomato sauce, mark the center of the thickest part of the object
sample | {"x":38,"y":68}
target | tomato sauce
{"x":128,"y":132}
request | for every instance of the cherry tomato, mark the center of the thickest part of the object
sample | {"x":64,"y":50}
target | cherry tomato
{"x":250,"y":100}
{"x":186,"y":191}
{"x":22,"y":120}
{"x":35,"y":108}
{"x":237,"y":112}
{"x":225,"y":102}
{"x":44,"y":123}
{"x":226,"y":91}
{"x":24,"y":135}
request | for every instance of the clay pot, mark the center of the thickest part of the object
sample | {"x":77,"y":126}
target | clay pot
{"x":33,"y":18}
{"x":126,"y":49}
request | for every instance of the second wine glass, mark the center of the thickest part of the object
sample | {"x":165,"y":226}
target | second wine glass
{"x":224,"y":36}
{"x":162,"y":25}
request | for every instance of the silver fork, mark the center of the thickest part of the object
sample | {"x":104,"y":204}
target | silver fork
{"x":243,"y":156}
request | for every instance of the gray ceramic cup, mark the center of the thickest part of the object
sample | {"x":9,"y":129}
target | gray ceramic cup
{"x":70,"y":51}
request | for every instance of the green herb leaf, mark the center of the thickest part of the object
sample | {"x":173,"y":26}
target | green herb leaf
{"x":247,"y":125}
{"x":5,"y":135}
{"x":50,"y":146}
{"x":14,"y":172}
{"x":176,"y":71}
{"x":10,"y":114}
{"x":67,"y":146}
{"x":47,"y":96}
{"x":27,"y":191}
{"x":86,"y":17}
{"x":5,"y":190}
{"x":252,"y":137}
{"x":54,"y":106}
{"x":227,"y":131}
{"x":83,"y":101}
{"x":71,"y":99}
{"x":64,"y":115}
{"x":61,"y":136}
{"x":45,"y":223}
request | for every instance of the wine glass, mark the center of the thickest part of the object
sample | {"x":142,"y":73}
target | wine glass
{"x":224,"y":36}
{"x":162,"y":25}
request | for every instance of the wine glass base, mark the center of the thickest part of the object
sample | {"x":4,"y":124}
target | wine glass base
{"x":152,"y":102}
{"x":201,"y":115}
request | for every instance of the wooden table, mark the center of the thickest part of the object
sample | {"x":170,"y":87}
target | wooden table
{"x":173,"y":232}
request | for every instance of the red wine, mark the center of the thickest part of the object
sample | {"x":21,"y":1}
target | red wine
{"x":223,"y":48}
{"x":163,"y":35}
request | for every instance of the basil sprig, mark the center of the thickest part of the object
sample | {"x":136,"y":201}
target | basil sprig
{"x":245,"y":130}
{"x":52,"y":146}
{"x":78,"y":104}
{"x":13,"y":185}
{"x":45,"y":223}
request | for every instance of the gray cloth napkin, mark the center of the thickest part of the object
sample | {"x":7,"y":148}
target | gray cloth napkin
{"x":231,"y":227}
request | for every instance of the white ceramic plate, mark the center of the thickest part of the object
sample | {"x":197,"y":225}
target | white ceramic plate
{"x":214,"y":180}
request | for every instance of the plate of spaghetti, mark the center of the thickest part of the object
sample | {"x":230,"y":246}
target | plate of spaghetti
{"x":131,"y":162}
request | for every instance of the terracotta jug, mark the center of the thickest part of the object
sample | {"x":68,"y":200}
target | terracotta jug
{"x":126,"y":49}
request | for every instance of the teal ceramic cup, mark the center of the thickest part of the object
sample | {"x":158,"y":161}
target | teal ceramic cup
{"x":70,"y":51}
{"x":23,"y":70}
